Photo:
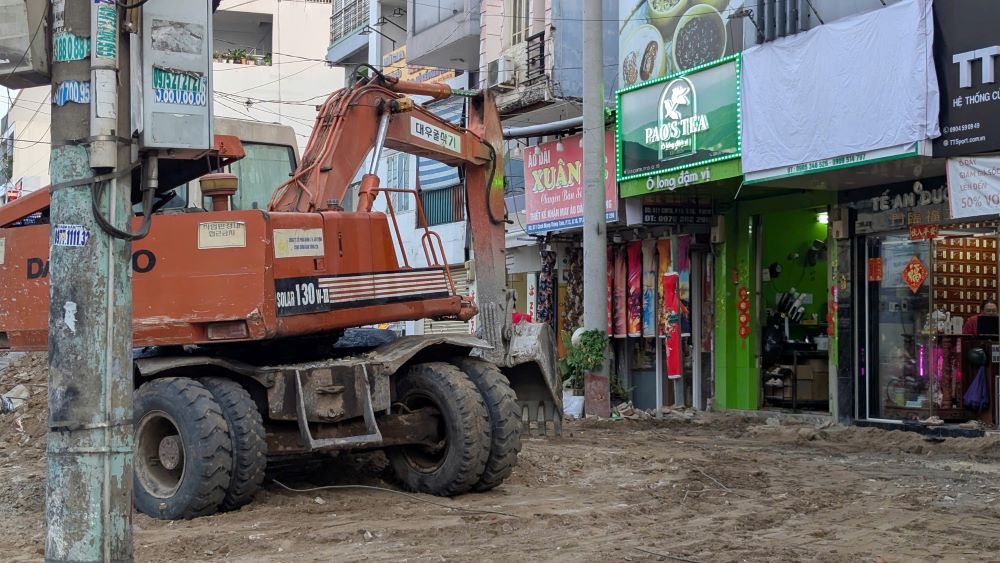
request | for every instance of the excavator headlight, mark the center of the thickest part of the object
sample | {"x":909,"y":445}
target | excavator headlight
{"x":228,"y":330}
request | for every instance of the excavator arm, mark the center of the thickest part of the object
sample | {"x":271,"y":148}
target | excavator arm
{"x":355,"y":124}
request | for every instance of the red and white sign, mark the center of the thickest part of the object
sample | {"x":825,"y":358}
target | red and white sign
{"x":553,"y":184}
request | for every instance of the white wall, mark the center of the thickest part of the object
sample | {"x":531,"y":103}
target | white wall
{"x":298,"y":80}
{"x":30,"y":116}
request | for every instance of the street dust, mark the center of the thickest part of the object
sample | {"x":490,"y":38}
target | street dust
{"x":691,"y":488}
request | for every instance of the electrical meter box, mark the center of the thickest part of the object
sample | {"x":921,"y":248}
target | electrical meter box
{"x":177,"y":74}
{"x":24,"y":41}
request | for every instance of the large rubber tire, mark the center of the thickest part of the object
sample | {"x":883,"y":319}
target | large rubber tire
{"x":458,"y":464}
{"x":249,"y":445}
{"x":505,"y":419}
{"x":180,"y":411}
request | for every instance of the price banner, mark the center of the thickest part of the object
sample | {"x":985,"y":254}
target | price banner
{"x":974,"y":186}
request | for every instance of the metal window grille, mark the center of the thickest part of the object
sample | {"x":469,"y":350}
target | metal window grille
{"x":348,"y":17}
{"x":536,"y":56}
{"x":444,"y":206}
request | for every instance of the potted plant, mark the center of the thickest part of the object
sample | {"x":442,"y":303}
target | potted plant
{"x":267,"y":59}
{"x":584,"y":354}
{"x":227,"y":57}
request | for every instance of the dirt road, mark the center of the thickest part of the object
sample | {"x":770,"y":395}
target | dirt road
{"x":716,"y":488}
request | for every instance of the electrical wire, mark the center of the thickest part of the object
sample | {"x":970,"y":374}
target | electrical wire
{"x":137,"y":4}
{"x":395,"y":492}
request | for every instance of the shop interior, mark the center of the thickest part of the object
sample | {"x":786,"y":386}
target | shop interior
{"x":932,"y":341}
{"x":793,"y":295}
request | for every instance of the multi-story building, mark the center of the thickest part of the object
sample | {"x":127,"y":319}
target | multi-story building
{"x":375,"y":32}
{"x":268,"y":66}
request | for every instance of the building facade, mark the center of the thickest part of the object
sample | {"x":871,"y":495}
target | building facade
{"x":268,"y":67}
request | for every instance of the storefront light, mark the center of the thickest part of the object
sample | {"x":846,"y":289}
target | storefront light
{"x":823,"y":218}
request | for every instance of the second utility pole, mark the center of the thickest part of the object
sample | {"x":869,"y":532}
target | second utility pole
{"x":595,"y":235}
{"x":89,"y":495}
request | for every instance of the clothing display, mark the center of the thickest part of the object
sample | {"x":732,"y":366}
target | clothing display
{"x":648,"y":288}
{"x":634,"y":289}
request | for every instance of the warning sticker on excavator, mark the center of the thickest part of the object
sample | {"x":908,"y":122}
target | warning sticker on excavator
{"x":222,"y":234}
{"x":298,"y":243}
{"x":3,"y":250}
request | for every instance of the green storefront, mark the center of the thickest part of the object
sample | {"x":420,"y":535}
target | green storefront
{"x":772,"y":255}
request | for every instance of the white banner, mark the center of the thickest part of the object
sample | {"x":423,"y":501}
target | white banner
{"x":974,"y":186}
{"x":854,"y":85}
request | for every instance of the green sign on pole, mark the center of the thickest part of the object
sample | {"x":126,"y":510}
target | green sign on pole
{"x":684,"y":121}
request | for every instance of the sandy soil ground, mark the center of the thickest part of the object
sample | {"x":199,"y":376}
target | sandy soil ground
{"x":705,"y":488}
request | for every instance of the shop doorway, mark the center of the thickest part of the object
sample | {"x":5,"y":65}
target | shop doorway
{"x":931,"y":325}
{"x":793,"y":294}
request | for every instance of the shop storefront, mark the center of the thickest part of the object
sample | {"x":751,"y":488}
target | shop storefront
{"x":925,"y":306}
{"x":790,"y":268}
{"x":678,"y":157}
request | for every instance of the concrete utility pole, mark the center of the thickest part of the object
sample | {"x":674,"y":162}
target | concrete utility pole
{"x":595,"y":234}
{"x":89,"y":497}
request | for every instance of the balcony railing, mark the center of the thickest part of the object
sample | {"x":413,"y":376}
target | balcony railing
{"x":349,"y":16}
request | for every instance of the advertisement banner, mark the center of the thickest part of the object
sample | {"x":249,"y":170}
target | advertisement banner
{"x":394,"y":64}
{"x":965,"y":56}
{"x":663,"y":37}
{"x":680,"y":121}
{"x":974,"y":186}
{"x":553,"y":184}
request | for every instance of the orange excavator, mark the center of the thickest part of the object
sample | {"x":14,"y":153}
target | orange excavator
{"x":245,"y":322}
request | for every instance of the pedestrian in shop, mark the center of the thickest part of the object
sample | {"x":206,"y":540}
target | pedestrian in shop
{"x":971,"y":325}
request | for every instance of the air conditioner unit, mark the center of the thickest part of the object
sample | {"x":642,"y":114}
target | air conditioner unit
{"x":500,"y":74}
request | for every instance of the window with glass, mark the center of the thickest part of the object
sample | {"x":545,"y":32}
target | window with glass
{"x":932,"y":324}
{"x":398,"y":176}
{"x":518,"y":18}
{"x":264,"y":168}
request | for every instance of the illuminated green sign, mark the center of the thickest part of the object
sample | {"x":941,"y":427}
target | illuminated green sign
{"x":679,"y":122}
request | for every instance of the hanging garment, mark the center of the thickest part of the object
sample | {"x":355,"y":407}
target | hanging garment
{"x":682,"y":260}
{"x":648,"y":288}
{"x":977,"y":398}
{"x":671,"y":319}
{"x":611,"y":289}
{"x":634,"y":320}
{"x":662,"y":267}
{"x":621,"y":293}
{"x":574,"y":289}
{"x":546,"y":287}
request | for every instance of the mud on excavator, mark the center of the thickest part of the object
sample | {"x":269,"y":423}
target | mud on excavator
{"x":245,"y":320}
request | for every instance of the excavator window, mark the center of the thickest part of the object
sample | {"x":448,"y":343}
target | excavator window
{"x":264,"y":168}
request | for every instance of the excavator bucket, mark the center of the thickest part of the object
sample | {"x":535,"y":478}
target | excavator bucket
{"x":524,"y":352}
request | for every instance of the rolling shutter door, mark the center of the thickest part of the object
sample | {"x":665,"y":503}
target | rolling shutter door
{"x":461,"y":279}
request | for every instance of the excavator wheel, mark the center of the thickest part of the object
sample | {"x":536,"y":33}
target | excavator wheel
{"x":456,"y":463}
{"x":246,"y":429}
{"x":183,"y":451}
{"x":505,"y":419}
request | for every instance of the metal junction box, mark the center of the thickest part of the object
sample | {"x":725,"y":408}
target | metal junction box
{"x":24,"y":41}
{"x":176,"y":74}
